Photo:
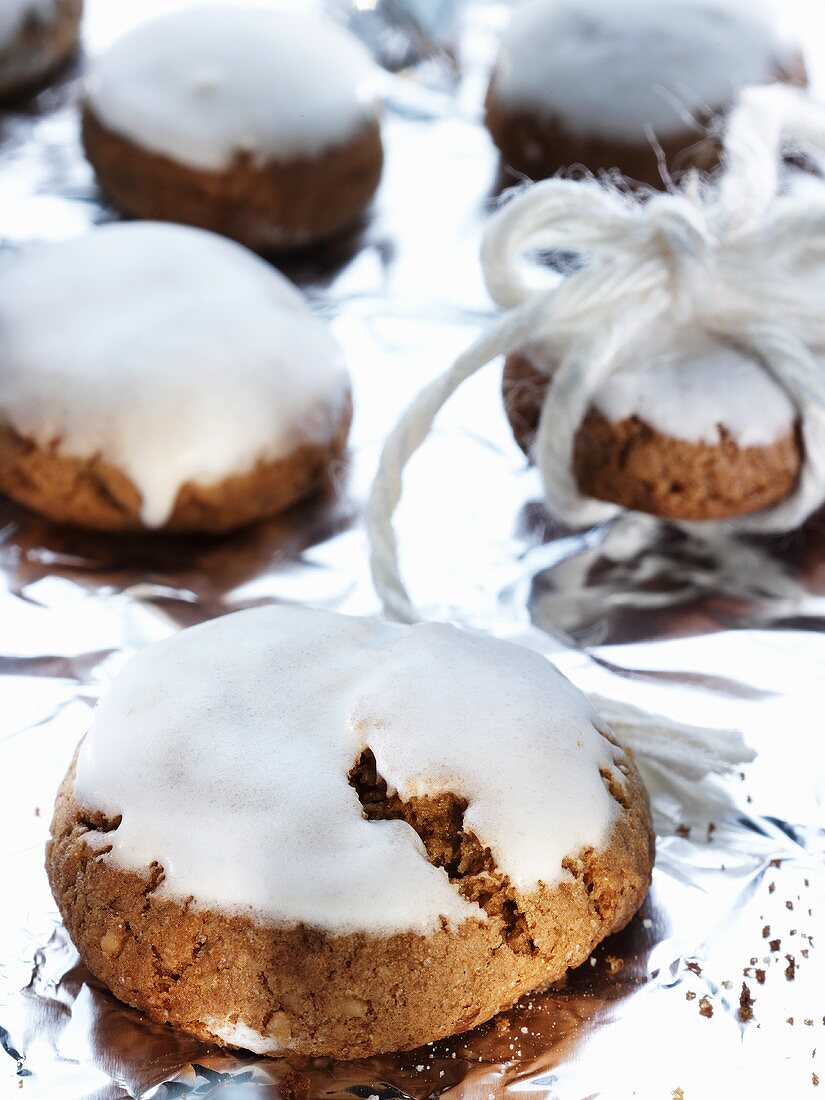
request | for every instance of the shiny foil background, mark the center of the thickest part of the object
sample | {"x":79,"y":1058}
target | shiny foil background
{"x":723,"y":632}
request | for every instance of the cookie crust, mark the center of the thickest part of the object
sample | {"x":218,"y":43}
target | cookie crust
{"x":632,"y":464}
{"x":39,"y":50}
{"x":93,"y":493}
{"x":278,"y":206}
{"x":539,"y":146}
{"x":230,"y":980}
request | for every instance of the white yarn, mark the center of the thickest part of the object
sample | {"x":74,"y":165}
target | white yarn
{"x":691,"y":752}
{"x":734,"y":257}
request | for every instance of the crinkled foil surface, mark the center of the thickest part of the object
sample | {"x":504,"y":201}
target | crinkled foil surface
{"x":716,"y":988}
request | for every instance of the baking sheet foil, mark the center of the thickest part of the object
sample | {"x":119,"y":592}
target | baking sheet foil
{"x":715,"y":989}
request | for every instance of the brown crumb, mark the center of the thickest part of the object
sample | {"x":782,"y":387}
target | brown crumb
{"x":789,"y":905}
{"x":771,"y":887}
{"x":678,"y":1094}
{"x":615,"y":964}
{"x":746,"y":1003}
{"x":766,"y":931}
{"x":790,"y":969}
{"x":690,"y":995}
{"x":775,"y":863}
{"x":683,"y":831}
{"x":711,"y":830}
{"x":775,"y":945}
{"x":814,"y":1079}
{"x":705,"y":1007}
{"x":294,"y":1086}
{"x":694,"y":966}
{"x":760,"y":976}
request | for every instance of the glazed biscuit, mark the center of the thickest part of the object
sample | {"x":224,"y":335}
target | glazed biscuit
{"x":218,"y":118}
{"x":435,"y":824}
{"x":181,"y":383}
{"x":696,"y":457}
{"x":36,"y":38}
{"x":628,"y":86}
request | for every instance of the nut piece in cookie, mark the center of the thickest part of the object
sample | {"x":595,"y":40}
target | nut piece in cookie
{"x":36,"y":38}
{"x":256,"y":123}
{"x":628,"y":85}
{"x":696,"y":433}
{"x":292,"y":831}
{"x":159,"y":377}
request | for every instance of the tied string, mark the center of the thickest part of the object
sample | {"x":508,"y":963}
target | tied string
{"x":733,"y":257}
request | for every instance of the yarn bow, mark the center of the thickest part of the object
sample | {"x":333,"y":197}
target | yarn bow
{"x":735,"y":257}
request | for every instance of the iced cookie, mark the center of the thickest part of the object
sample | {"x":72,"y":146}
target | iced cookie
{"x":693,"y":433}
{"x":36,"y":37}
{"x":288,"y":830}
{"x":256,"y":123}
{"x":156,"y":376}
{"x":628,"y":84}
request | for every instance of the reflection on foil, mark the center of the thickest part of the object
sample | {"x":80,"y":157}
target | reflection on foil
{"x":715,"y":990}
{"x":659,"y":580}
{"x":406,"y":33}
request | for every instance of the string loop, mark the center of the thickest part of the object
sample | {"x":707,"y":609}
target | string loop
{"x":735,"y":257}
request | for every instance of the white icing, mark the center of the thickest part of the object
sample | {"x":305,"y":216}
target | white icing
{"x":206,"y":84}
{"x":690,"y":390}
{"x":173,"y":353}
{"x":227,"y":749}
{"x":13,"y":14}
{"x":609,"y":68}
{"x":241,"y":1035}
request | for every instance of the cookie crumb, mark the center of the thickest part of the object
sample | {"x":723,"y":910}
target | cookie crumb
{"x":705,"y":1007}
{"x":294,"y":1086}
{"x":746,"y":1003}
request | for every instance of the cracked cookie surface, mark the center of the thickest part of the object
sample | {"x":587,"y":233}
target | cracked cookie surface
{"x":388,"y":969}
